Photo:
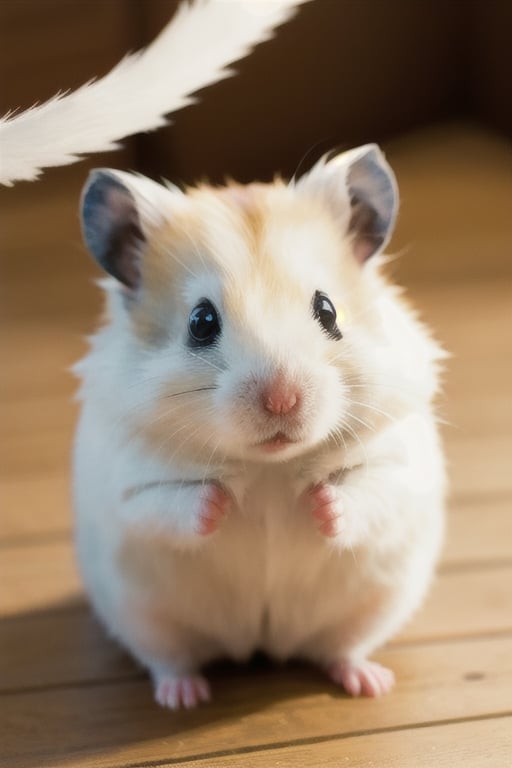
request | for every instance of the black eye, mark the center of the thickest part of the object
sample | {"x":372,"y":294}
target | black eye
{"x":203,"y":324}
{"x":324,"y":312}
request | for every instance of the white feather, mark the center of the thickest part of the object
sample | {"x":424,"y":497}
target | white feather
{"x":193,"y":51}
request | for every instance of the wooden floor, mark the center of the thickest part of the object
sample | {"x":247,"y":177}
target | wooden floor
{"x":70,"y":697}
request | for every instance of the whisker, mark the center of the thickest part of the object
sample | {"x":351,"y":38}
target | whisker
{"x":182,"y":264}
{"x":338,"y":432}
{"x":347,"y":428}
{"x":210,"y":459}
{"x":159,"y":416}
{"x":191,"y":391}
{"x":361,"y":421}
{"x":373,"y":383}
{"x":204,"y":360}
{"x":373,"y":408}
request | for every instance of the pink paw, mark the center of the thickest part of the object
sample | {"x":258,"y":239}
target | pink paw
{"x":327,"y":509}
{"x":177,"y":692}
{"x":214,"y":506}
{"x":363,"y":678}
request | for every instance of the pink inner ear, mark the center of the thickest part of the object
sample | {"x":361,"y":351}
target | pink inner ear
{"x":128,"y":255}
{"x":363,"y":226}
{"x":120,"y":204}
{"x":364,"y":247}
{"x":127,"y":238}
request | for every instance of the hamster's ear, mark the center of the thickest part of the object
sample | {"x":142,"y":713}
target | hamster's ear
{"x":363,"y":178}
{"x":118,"y":212}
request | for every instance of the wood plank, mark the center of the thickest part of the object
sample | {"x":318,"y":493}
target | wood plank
{"x":116,"y":724}
{"x":35,"y":507}
{"x":476,"y":414}
{"x":483,"y":744}
{"x":60,"y":645}
{"x":36,"y":577}
{"x":476,"y":397}
{"x":41,"y":596}
{"x":45,"y":452}
{"x":479,"y":465}
{"x":465,"y":308}
{"x":53,"y":351}
{"x":464,"y":603}
{"x":35,"y":481}
{"x":479,"y":530}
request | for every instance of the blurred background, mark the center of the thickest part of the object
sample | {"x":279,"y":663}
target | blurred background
{"x":428,"y":79}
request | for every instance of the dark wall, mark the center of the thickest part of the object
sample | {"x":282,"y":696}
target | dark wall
{"x":343,"y":72}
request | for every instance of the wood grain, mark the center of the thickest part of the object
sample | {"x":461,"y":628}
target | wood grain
{"x":37,"y":576}
{"x":40,"y":595}
{"x":479,"y":531}
{"x":115,"y":723}
{"x":466,"y":602}
{"x":482,"y":744}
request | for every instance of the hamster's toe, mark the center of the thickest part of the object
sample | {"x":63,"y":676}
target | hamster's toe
{"x":362,"y":678}
{"x":178,"y":692}
{"x":327,"y":509}
{"x":214,"y":506}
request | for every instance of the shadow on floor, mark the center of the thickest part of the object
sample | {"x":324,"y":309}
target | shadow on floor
{"x":67,"y":689}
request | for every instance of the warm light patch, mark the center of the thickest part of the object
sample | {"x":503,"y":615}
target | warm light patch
{"x":342,"y":318}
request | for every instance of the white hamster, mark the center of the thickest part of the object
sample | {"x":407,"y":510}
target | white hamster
{"x":257,"y":463}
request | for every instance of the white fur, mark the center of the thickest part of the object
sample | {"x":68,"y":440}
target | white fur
{"x":193,"y":51}
{"x":267,"y":579}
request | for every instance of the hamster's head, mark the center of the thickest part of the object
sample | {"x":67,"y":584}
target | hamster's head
{"x":246,"y":321}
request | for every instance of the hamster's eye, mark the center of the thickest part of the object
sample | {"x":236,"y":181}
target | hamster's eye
{"x":203,"y":324}
{"x":324,"y":312}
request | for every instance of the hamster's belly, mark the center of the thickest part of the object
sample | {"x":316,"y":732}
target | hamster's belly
{"x":266,"y":580}
{"x":258,"y":584}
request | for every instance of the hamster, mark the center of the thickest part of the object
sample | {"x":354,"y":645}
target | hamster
{"x":257,"y":463}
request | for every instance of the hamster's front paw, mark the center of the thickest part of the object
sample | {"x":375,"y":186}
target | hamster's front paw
{"x":213,"y":507}
{"x":333,"y":513}
{"x":327,"y":508}
{"x":184,"y":511}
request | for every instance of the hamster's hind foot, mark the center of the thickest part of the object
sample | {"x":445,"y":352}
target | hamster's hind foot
{"x":185,"y":691}
{"x":362,"y":678}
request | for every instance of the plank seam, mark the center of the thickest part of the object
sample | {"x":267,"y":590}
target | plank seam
{"x":463,"y":566}
{"x":310,"y":741}
{"x":139,"y":676}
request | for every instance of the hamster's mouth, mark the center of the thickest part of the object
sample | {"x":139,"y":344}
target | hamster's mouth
{"x":277,"y":442}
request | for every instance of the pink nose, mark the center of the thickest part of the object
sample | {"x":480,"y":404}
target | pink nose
{"x":279,"y":398}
